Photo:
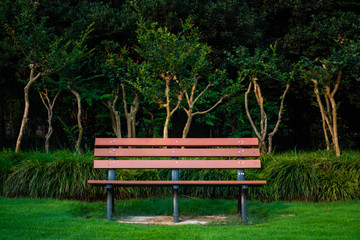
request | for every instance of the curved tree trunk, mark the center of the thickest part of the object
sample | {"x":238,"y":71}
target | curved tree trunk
{"x":260,"y":136}
{"x":25,"y":118}
{"x":188,"y":123}
{"x":80,"y":127}
{"x":130,"y":116}
{"x":49,"y":106}
{"x":329,"y":118}
{"x":331,"y":96}
{"x":133,"y":111}
{"x":271,"y":135}
{"x":324,"y":117}
{"x":115,"y":119}
{"x":191,"y":100}
{"x":169,"y":112}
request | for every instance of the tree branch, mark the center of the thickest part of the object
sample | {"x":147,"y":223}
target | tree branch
{"x":336,"y":84}
{"x":280,"y":111}
{"x":214,"y":106}
{"x":248,"y":113}
{"x":206,"y":88}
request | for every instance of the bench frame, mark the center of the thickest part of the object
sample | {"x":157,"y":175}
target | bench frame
{"x":174,"y":148}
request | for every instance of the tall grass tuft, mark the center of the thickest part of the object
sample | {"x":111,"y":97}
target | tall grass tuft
{"x":293,"y":179}
{"x":63,"y":176}
{"x":315,"y":176}
{"x":339,"y":179}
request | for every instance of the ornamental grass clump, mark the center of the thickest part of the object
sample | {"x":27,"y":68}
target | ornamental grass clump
{"x":339,"y":179}
{"x":293,"y":179}
{"x":63,"y":177}
{"x":315,"y":176}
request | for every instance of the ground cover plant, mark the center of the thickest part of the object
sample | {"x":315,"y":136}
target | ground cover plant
{"x":312,"y":176}
{"x":25,"y":218}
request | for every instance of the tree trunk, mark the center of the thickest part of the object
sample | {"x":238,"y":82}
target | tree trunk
{"x":114,"y":117}
{"x":169,"y":112}
{"x":329,"y":118}
{"x":331,"y":96}
{"x":130,"y":116}
{"x":133,"y":111}
{"x":81,"y":130}
{"x":324,"y":118}
{"x":271,"y":135}
{"x":25,"y":118}
{"x":188,"y":123}
{"x":166,"y":127}
{"x":334,"y":123}
{"x":49,"y":106}
{"x":191,"y":100}
{"x":261,"y":135}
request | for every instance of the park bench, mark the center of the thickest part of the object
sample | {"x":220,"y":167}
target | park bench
{"x":179,"y":153}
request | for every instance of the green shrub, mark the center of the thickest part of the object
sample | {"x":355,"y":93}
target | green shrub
{"x":60,"y":175}
{"x":339,"y":180}
{"x":293,"y":179}
{"x":290,"y":176}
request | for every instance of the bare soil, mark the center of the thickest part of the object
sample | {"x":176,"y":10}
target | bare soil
{"x":168,"y":220}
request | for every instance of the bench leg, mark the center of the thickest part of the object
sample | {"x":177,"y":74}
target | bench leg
{"x":110,"y":194}
{"x":176,"y":205}
{"x":239,"y":202}
{"x":175,"y":177}
{"x":244,"y":217}
{"x":110,"y":203}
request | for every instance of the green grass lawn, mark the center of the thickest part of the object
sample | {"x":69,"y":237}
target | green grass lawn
{"x":25,"y":218}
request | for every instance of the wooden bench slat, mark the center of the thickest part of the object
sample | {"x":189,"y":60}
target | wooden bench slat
{"x":186,"y":142}
{"x":176,"y":164}
{"x":180,"y":183}
{"x":171,"y":152}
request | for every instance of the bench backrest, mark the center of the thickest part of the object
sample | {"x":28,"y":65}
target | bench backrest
{"x":175,"y":148}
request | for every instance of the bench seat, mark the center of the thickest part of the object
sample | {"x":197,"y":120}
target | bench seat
{"x":171,"y":183}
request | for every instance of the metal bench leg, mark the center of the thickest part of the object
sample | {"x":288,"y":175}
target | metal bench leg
{"x":239,"y":202}
{"x":110,"y":195}
{"x":242,"y":198}
{"x":176,"y":205}
{"x":244,"y":217}
{"x":175,"y":177}
{"x":110,"y":203}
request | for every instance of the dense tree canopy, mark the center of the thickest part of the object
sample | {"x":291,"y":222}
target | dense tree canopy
{"x":107,"y":62}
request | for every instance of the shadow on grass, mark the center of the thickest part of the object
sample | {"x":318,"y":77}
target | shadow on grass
{"x":258,"y":212}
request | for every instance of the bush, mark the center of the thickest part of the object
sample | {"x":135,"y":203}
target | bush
{"x":318,"y":176}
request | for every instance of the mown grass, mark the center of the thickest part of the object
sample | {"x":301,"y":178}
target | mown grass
{"x":25,"y":218}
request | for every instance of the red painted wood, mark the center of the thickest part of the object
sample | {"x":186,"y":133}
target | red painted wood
{"x":167,"y":152}
{"x":187,"y":142}
{"x":176,"y":164}
{"x":180,"y":183}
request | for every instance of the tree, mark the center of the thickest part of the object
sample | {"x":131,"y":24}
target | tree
{"x":44,"y":52}
{"x":262,"y":66}
{"x":176,"y":63}
{"x":72,"y":79}
{"x":48,"y":98}
{"x":327,"y":74}
{"x":121,"y":70}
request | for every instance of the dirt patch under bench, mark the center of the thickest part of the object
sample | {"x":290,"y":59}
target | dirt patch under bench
{"x":168,"y":220}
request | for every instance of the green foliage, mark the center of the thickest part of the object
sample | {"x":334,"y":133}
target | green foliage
{"x":177,"y":66}
{"x":65,"y":176}
{"x":317,"y":176}
{"x":293,"y":179}
{"x":181,"y":55}
{"x":263,"y":64}
{"x":345,"y":57}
